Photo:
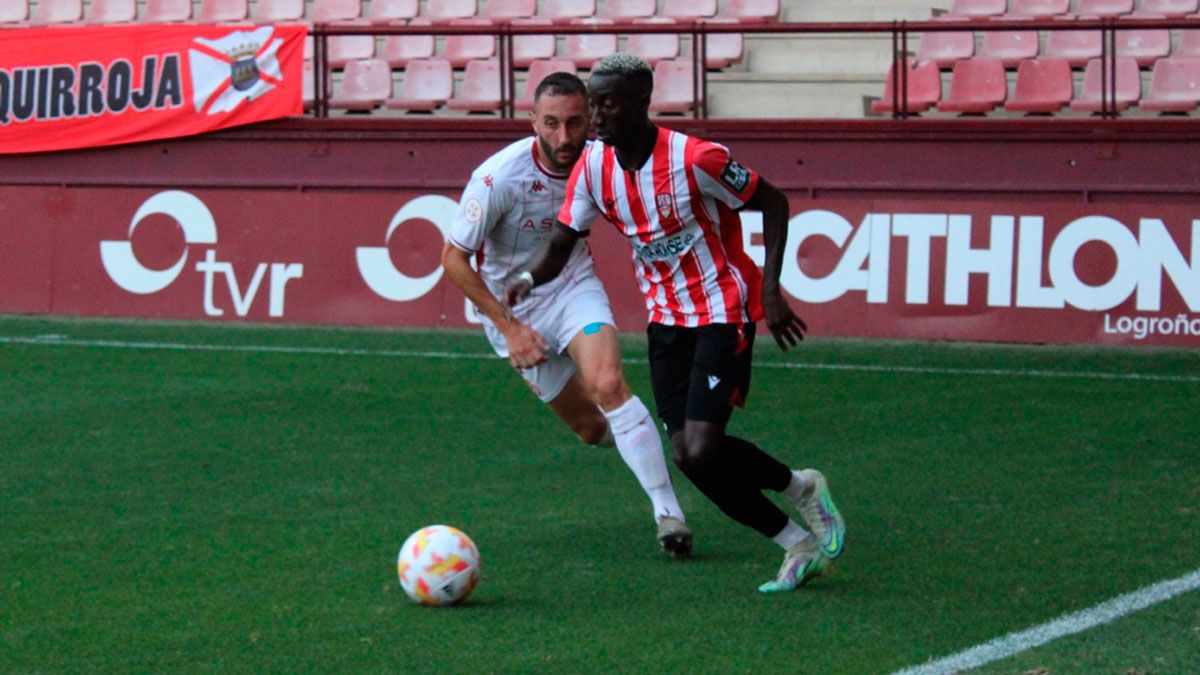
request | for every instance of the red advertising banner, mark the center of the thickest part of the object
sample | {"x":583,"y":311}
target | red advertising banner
{"x":991,"y":270}
{"x":71,"y":87}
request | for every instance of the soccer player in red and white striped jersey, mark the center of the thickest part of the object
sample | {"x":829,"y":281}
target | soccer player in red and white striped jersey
{"x":675,"y":198}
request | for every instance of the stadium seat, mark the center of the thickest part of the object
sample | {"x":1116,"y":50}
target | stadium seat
{"x":528,"y":48}
{"x":688,"y":10}
{"x":654,"y":47}
{"x":538,"y":70}
{"x":388,"y":11}
{"x":1128,"y":81}
{"x":57,"y":11}
{"x":1076,"y":46}
{"x":398,"y":50}
{"x":366,"y":84}
{"x":1011,"y":47}
{"x":330,"y":11}
{"x":342,"y":49}
{"x":1103,"y":8}
{"x":977,"y":86}
{"x":1039,"y":9}
{"x":1171,"y":8}
{"x":1043,"y":86}
{"x":978,"y":8}
{"x":14,"y":11}
{"x":753,"y":11}
{"x":111,"y":11}
{"x":223,"y":11}
{"x":278,"y":11}
{"x":447,"y":10}
{"x":480,"y":87}
{"x":946,"y":48}
{"x":459,"y":49}
{"x":924,"y":85}
{"x":723,"y":49}
{"x":427,"y":85}
{"x":499,"y":10}
{"x":563,"y":11}
{"x":626,"y":10}
{"x":1145,"y":45}
{"x":166,"y":11}
{"x":308,"y":86}
{"x":1189,"y":43}
{"x":673,"y":87}
{"x":1174,"y":85}
{"x":584,"y":49}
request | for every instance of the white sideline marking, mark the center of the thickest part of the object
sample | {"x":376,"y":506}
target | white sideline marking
{"x":63,"y":341}
{"x":1069,"y":624}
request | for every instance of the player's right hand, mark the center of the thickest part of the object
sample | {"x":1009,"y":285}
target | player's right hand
{"x":526,"y":347}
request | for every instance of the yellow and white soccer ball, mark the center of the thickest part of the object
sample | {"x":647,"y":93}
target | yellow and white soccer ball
{"x":438,"y":565}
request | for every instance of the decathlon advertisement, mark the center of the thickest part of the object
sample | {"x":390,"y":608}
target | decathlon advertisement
{"x":1055,"y":272}
{"x":63,"y":88}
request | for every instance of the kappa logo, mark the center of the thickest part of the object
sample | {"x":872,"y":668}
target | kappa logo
{"x":666,"y":205}
{"x":713,"y":381}
{"x":537,"y":186}
{"x":735,"y":176}
{"x":242,"y":66}
{"x":487,"y":180}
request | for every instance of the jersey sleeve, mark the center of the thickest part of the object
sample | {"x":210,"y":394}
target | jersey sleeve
{"x":484,"y":202}
{"x":720,"y":176}
{"x":579,"y":209}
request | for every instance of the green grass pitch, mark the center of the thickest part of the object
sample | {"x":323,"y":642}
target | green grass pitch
{"x":239,"y":507}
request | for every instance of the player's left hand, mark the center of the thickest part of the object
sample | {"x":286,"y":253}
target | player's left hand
{"x":787,"y":328}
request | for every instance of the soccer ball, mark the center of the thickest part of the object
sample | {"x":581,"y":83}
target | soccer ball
{"x":438,"y":565}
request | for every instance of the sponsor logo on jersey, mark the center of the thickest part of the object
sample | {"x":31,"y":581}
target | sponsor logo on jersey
{"x":668,"y":247}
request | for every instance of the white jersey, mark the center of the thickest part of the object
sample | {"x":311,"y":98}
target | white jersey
{"x":507,"y":213}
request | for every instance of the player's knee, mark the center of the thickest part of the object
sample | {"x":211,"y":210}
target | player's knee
{"x":608,"y":388}
{"x":694,"y":451}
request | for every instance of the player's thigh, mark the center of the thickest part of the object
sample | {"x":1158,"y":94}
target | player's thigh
{"x":671,"y":351}
{"x":597,"y":352}
{"x":575,"y":408}
{"x":720,"y":377}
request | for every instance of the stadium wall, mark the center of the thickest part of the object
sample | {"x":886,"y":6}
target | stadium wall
{"x":1058,"y":231}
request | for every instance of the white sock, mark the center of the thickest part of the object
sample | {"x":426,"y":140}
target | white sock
{"x":796,"y":487}
{"x":790,"y":535}
{"x":641,"y":447}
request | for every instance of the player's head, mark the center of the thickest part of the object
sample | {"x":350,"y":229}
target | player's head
{"x":560,"y":120}
{"x":619,"y":95}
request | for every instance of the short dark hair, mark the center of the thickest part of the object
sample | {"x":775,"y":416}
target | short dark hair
{"x":560,"y":84}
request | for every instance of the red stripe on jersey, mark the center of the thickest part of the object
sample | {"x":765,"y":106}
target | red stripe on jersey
{"x":564,"y":213}
{"x":731,"y":295}
{"x":656,"y":272}
{"x":609,"y":207}
{"x":664,"y":184}
{"x":731,"y":235}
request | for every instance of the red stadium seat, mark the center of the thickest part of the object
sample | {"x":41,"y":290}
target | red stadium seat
{"x":398,"y":50}
{"x":563,"y":11}
{"x":624,"y":10}
{"x":427,"y":85}
{"x":1145,"y":45}
{"x":924,"y":85}
{"x":1171,"y":8}
{"x":673,"y":87}
{"x":529,"y":48}
{"x":584,"y":49}
{"x":167,"y":11}
{"x":688,"y":10}
{"x":538,"y":70}
{"x":346,"y":48}
{"x":654,"y":47}
{"x":1039,"y":9}
{"x":1128,"y":80}
{"x":753,"y":11}
{"x":480,"y":87}
{"x":978,"y":8}
{"x":57,"y":11}
{"x":1189,"y":43}
{"x":977,"y":86}
{"x":1174,"y":85}
{"x":308,"y":86}
{"x":446,"y":10}
{"x":946,"y":49}
{"x":1103,"y":8}
{"x":366,"y":84}
{"x":278,"y":11}
{"x":112,"y":11}
{"x":1011,"y":47}
{"x":223,"y":11}
{"x":509,"y":9}
{"x":459,"y":49}
{"x":14,"y":11}
{"x":723,"y":49}
{"x":387,"y":11}
{"x":329,"y":11}
{"x":1076,"y":46}
{"x":1043,"y":86}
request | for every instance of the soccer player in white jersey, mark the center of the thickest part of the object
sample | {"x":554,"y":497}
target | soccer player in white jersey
{"x":562,"y":338}
{"x":675,"y":199}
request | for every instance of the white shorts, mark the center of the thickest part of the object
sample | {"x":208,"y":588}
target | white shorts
{"x":579,"y":305}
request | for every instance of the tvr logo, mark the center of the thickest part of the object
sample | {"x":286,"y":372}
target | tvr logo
{"x":199,"y":229}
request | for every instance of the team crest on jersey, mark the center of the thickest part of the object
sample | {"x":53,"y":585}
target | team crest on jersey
{"x":735,"y":176}
{"x":665,"y":204}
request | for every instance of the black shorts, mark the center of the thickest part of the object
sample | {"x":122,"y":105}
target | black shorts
{"x":699,"y":373}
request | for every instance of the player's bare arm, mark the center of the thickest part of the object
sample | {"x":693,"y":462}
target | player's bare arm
{"x":526,"y":348}
{"x":787,"y":328}
{"x":547,"y":266}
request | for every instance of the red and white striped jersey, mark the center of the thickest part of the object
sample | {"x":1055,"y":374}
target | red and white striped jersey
{"x":677,"y":211}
